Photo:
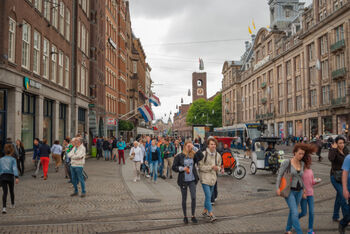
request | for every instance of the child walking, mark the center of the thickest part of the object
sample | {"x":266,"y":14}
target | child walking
{"x":308,"y":196}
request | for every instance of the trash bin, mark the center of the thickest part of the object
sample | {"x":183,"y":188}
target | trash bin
{"x":93,"y":151}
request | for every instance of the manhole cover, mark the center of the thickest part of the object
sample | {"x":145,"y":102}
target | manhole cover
{"x":149,"y":200}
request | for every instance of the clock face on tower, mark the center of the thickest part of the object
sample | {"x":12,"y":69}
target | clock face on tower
{"x":199,"y":83}
{"x":200,"y":92}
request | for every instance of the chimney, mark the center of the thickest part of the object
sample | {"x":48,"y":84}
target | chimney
{"x":253,"y":38}
{"x":246,"y":45}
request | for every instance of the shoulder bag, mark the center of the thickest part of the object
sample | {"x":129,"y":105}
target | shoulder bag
{"x":286,"y":182}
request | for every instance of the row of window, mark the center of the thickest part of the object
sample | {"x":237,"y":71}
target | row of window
{"x":42,"y":55}
{"x":111,"y":79}
{"x":83,"y":79}
{"x":83,"y":38}
{"x":111,"y":103}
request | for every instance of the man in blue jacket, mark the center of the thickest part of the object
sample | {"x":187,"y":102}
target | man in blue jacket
{"x":153,"y":159}
{"x":168,"y":151}
{"x":36,"y":156}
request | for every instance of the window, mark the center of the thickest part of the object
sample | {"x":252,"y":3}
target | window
{"x":311,"y":51}
{"x":28,"y":120}
{"x":340,"y":61}
{"x":55,"y":13}
{"x":339,"y":33}
{"x":289,"y":86}
{"x":288,"y":68}
{"x":83,"y":5}
{"x":297,"y":64}
{"x":324,"y":45}
{"x":60,"y":68}
{"x":83,"y":79}
{"x":37,"y":4}
{"x":298,"y":83}
{"x":62,"y":18}
{"x":53,"y":63}
{"x":66,"y":76}
{"x":78,"y":79}
{"x":87,"y":43}
{"x":36,"y":53}
{"x":271,"y":77}
{"x":279,"y":72}
{"x":280,"y":90}
{"x":325,"y":95}
{"x":79,"y":30}
{"x":299,"y":103}
{"x":290,"y":105}
{"x":324,"y":69}
{"x":25,"y":45}
{"x":46,"y":50}
{"x":47,"y":8}
{"x":272,"y":109}
{"x":83,"y":37}
{"x":341,"y":89}
{"x":271,"y":92}
{"x":67,"y":24}
{"x":280,"y":107}
{"x":12,"y":40}
{"x":134,"y":66}
{"x":313,"y":98}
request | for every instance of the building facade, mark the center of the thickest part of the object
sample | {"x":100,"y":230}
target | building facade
{"x":42,"y":92}
{"x":296,"y":78}
{"x":180,"y":127}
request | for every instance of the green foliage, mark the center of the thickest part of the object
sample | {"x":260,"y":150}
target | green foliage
{"x":201,"y":112}
{"x":125,"y":125}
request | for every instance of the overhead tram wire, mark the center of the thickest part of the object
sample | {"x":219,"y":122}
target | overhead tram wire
{"x":196,"y":42}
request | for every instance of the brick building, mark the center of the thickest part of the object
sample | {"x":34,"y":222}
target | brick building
{"x":44,"y":69}
{"x":294,"y":77}
{"x":180,"y":127}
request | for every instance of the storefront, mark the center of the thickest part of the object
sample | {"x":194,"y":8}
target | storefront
{"x":290,"y":128}
{"x":62,"y":122}
{"x":28,"y":120}
{"x":343,"y":124}
{"x":111,"y":127}
{"x":313,"y":127}
{"x":81,"y":121}
{"x":272,"y":130}
{"x":327,"y":127}
{"x":281,"y":132}
{"x":299,"y":128}
{"x":47,"y":124}
{"x":3,"y":116}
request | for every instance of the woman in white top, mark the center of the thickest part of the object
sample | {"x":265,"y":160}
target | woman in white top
{"x":136,"y":155}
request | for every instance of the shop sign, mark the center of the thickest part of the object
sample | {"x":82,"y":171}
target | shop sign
{"x":112,"y":43}
{"x":31,"y":83}
{"x":111,"y":121}
{"x":262,"y":62}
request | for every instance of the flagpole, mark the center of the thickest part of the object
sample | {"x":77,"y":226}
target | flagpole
{"x":130,"y":112}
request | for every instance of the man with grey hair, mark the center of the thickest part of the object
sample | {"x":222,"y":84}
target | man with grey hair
{"x":77,"y":156}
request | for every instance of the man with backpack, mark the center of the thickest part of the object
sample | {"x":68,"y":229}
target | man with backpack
{"x":168,"y":152}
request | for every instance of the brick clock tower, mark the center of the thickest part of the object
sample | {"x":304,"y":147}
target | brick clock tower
{"x":199,"y":86}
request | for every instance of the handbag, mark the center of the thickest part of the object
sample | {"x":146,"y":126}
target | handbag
{"x":338,"y":175}
{"x":132,"y":156}
{"x":286,"y":182}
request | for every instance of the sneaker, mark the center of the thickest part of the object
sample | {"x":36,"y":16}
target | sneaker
{"x":171,"y":177}
{"x":205,"y":215}
{"x":186,"y":220}
{"x":147,"y":176}
{"x":4,"y":210}
{"x":194,"y":220}
{"x":45,"y":177}
{"x":336,"y":220}
{"x":341,"y":229}
{"x":310,"y":232}
{"x":213,"y":218}
{"x":135,"y":180}
{"x":163,"y":177}
{"x":12,"y":206}
{"x":83,"y":195}
{"x":74,"y":194}
{"x":155,"y":182}
{"x":212,"y":203}
{"x":34,"y":176}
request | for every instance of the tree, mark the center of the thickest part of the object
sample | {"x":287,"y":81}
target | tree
{"x":125,"y":125}
{"x":202,"y":112}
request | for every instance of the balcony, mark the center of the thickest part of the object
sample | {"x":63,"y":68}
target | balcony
{"x":263,"y":100}
{"x":338,"y":45}
{"x":340,"y":73}
{"x":265,"y":116}
{"x":263,"y":85}
{"x":339,"y":101}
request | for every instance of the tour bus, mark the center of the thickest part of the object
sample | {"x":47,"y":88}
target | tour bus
{"x":240,"y":130}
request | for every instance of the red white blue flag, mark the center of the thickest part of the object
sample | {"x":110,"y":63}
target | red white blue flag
{"x":154,"y":100}
{"x":146,"y":113}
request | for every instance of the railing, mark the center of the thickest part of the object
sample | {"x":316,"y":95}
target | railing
{"x":338,"y":45}
{"x":339,"y":101}
{"x":263,"y":85}
{"x":339,"y":73}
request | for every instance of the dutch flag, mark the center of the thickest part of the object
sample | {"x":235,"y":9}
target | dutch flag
{"x":153,"y":99}
{"x":146,"y":113}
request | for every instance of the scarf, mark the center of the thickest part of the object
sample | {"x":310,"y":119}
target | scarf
{"x":153,"y":148}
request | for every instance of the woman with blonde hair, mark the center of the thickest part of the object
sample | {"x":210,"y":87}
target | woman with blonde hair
{"x":184,"y":164}
{"x":136,"y":155}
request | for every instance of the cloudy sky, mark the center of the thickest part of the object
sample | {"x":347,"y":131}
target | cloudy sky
{"x":176,"y":33}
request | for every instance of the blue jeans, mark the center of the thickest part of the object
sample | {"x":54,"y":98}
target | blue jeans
{"x":293,"y":201}
{"x":208,"y":191}
{"x":340,"y":201}
{"x":309,"y":201}
{"x":161,"y":166}
{"x":77,"y":176}
{"x":154,"y":169}
{"x":106,"y":153}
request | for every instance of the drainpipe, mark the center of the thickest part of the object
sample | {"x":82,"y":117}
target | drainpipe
{"x":74,"y":68}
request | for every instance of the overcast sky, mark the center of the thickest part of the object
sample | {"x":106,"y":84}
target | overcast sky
{"x":176,"y":33}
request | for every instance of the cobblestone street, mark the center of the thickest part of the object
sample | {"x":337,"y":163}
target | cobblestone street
{"x":115,"y":204}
